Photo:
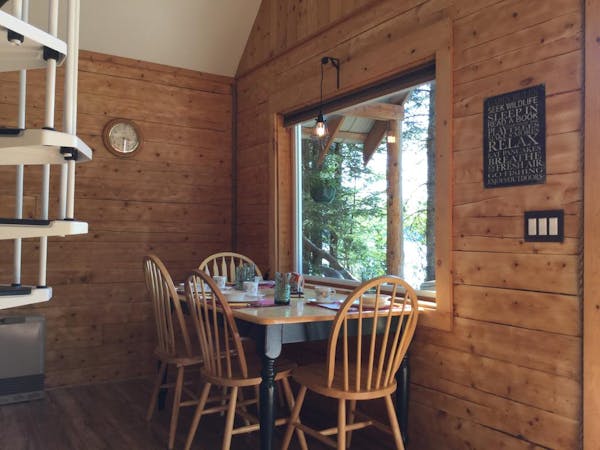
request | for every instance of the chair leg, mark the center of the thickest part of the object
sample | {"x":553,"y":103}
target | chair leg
{"x":243,"y":408}
{"x":197,"y":415}
{"x":287,"y":390}
{"x":293,"y":418}
{"x":176,"y":406}
{"x":341,"y":440}
{"x":223,"y":400}
{"x":230,"y":418}
{"x":394,"y":422}
{"x":350,"y":421}
{"x":156,"y":389}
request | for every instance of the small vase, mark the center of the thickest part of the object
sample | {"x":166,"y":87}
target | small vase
{"x":282,"y":288}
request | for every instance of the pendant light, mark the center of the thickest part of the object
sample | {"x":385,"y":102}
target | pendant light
{"x":320,"y":131}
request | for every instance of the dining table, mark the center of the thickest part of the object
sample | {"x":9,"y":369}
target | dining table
{"x":271,"y":326}
{"x":303,"y":319}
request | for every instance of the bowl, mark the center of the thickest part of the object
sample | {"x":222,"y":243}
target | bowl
{"x":369,"y":300}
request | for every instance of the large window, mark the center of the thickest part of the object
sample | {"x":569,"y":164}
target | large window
{"x":365,"y":193}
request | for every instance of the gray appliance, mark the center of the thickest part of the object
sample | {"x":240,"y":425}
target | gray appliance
{"x":21,"y":358}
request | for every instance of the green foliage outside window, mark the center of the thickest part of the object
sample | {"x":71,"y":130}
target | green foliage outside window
{"x":344,"y":202}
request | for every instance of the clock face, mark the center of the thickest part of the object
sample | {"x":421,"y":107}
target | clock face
{"x":122,"y":137}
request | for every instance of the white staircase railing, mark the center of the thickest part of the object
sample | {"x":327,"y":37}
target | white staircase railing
{"x":23,"y":47}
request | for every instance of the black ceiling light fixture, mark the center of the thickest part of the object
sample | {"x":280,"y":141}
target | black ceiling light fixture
{"x":320,"y":131}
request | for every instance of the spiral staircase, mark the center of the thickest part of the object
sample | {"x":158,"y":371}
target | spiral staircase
{"x":24,"y":47}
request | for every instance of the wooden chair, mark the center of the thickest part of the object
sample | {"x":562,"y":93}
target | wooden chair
{"x":224,"y":264}
{"x":365,"y":370}
{"x":225,"y":362}
{"x":174,"y":346}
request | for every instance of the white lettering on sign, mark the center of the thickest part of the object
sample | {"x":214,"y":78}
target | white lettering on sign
{"x":515,"y":138}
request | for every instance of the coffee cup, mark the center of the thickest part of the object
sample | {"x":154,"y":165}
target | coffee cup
{"x":297,"y":283}
{"x":323,"y":293}
{"x":251,"y":288}
{"x":220,"y":281}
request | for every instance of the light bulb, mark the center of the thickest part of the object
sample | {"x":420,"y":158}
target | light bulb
{"x":320,"y":129}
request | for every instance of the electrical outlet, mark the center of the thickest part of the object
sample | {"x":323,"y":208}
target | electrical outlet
{"x":545,"y":226}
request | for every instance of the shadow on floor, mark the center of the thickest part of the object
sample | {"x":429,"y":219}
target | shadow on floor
{"x":111,"y":416}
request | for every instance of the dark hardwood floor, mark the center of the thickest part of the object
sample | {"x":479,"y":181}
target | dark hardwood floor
{"x":111,"y":416}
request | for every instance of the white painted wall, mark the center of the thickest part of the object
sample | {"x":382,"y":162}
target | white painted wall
{"x":204,"y":35}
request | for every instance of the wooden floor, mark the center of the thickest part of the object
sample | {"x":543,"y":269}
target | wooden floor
{"x":111,"y":416}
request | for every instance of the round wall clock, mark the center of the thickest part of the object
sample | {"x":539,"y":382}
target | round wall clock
{"x":122,"y":137}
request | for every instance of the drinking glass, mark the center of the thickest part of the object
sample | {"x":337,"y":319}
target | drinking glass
{"x":282,"y":288}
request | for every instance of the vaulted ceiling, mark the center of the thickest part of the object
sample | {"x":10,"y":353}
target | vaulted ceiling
{"x":204,"y":35}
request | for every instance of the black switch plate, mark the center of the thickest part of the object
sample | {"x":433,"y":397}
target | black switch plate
{"x":545,"y":226}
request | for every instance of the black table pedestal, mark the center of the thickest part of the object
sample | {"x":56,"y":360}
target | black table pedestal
{"x":402,"y":397}
{"x":273,"y":337}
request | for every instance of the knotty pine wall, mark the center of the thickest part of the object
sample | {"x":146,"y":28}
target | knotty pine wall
{"x":173,"y":198}
{"x":508,"y":375}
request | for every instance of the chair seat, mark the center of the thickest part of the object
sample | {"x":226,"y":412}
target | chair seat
{"x":283,"y":369}
{"x":179,"y":361}
{"x":314,"y":377}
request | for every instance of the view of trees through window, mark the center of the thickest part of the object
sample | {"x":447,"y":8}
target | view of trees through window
{"x":345,"y":202}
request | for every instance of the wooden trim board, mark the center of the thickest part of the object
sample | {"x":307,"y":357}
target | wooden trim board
{"x":591,"y":274}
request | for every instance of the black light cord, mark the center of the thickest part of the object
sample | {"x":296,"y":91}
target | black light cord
{"x":335,"y":62}
{"x":321,"y":100}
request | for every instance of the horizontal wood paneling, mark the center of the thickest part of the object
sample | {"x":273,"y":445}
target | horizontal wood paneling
{"x":550,"y":312}
{"x":509,"y":373}
{"x":173,"y":198}
{"x":446,"y":430}
{"x":545,"y":351}
{"x":535,"y":388}
{"x":533,"y":426}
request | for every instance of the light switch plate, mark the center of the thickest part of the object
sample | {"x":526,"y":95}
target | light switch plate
{"x":545,"y":226}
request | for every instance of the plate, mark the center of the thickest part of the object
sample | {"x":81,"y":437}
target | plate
{"x":330,"y":302}
{"x":234,"y":296}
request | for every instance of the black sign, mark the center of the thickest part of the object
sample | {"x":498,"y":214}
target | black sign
{"x":514,"y":138}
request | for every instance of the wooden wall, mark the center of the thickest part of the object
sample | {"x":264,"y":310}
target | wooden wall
{"x":508,"y":375}
{"x":173,"y":198}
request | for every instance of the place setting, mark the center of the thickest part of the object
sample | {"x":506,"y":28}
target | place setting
{"x":325,"y":297}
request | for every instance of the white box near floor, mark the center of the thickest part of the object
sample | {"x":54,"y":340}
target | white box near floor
{"x":22,"y":341}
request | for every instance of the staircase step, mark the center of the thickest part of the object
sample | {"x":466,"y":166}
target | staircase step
{"x":35,"y":295}
{"x":9,"y":289}
{"x":30,"y":53}
{"x":38,"y":146}
{"x":32,"y":228}
{"x":10,"y":221}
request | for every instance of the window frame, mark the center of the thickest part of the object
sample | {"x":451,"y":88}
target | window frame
{"x":432,"y":42}
{"x":298,"y":194}
{"x":436,"y":306}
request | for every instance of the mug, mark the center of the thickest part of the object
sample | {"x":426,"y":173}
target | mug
{"x":251,"y":288}
{"x":323,"y":293}
{"x":297,"y":283}
{"x":220,"y":281}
